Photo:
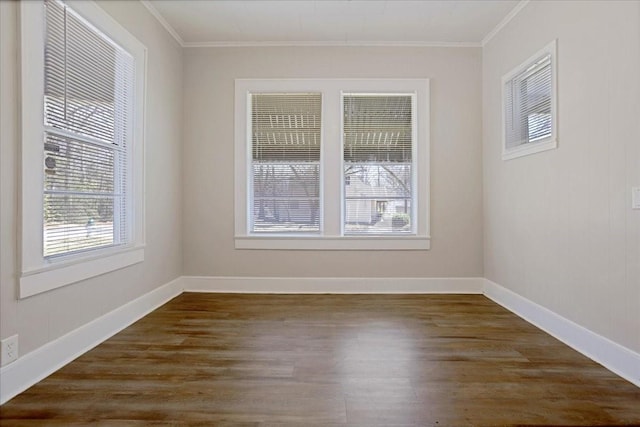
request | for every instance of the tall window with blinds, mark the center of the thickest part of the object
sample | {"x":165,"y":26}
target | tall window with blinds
{"x":285,"y":162}
{"x":378,"y":149}
{"x":529,"y":105}
{"x":88,"y":101}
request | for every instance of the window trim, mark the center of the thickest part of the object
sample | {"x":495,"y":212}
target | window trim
{"x":37,"y":273}
{"x":331,"y":186}
{"x":548,"y":143}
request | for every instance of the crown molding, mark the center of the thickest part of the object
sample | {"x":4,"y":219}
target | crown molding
{"x":346,"y":43}
{"x":504,"y":22}
{"x":163,"y":22}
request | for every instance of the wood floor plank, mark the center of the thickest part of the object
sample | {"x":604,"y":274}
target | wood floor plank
{"x":329,"y":360}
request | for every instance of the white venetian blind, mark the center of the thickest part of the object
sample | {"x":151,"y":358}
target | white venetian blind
{"x":285,"y":146}
{"x":528,"y":104}
{"x":88,"y":100}
{"x":378,"y":163}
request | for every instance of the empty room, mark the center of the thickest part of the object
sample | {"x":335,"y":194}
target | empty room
{"x":320,"y":213}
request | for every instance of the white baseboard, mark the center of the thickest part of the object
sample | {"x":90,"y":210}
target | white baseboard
{"x":16,"y":377}
{"x":618,"y":359}
{"x":334,"y":285}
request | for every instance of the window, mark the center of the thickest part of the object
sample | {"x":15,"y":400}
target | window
{"x":332,"y":164}
{"x":378,"y":162}
{"x":285,"y":150}
{"x":82,"y":166}
{"x":529,"y":105}
{"x":88,"y":85}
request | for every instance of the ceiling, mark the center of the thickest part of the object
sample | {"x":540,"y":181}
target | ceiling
{"x":332,"y":22}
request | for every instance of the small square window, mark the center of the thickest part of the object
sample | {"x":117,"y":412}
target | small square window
{"x":529,"y":105}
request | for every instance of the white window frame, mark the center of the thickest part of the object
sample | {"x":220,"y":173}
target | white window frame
{"x":40,"y":274}
{"x":544,"y":144}
{"x":331,"y":235}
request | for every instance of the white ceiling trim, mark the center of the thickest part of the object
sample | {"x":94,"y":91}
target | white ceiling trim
{"x":504,"y":22}
{"x":330,"y":44}
{"x":147,"y":4}
{"x":163,"y":22}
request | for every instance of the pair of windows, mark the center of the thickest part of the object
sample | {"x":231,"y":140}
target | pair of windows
{"x":82,"y":144}
{"x":331,"y":160}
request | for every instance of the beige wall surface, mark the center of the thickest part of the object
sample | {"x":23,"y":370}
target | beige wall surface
{"x":47,"y":316}
{"x":558,"y":226}
{"x":456,"y":168}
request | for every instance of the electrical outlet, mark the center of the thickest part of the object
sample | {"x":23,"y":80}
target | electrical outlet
{"x":9,"y":350}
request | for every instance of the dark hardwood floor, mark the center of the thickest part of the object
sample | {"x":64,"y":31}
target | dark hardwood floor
{"x":361,"y":360}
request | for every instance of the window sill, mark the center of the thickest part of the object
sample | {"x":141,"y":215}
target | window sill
{"x":60,"y":274}
{"x":357,"y":243}
{"x":530,"y":148}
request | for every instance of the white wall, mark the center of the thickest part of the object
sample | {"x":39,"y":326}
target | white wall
{"x":45,"y":317}
{"x":456,"y":169}
{"x":558,"y":226}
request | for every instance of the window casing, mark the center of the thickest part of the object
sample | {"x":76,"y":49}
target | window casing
{"x":82,"y":144}
{"x":529,"y":105}
{"x":322,"y":211}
